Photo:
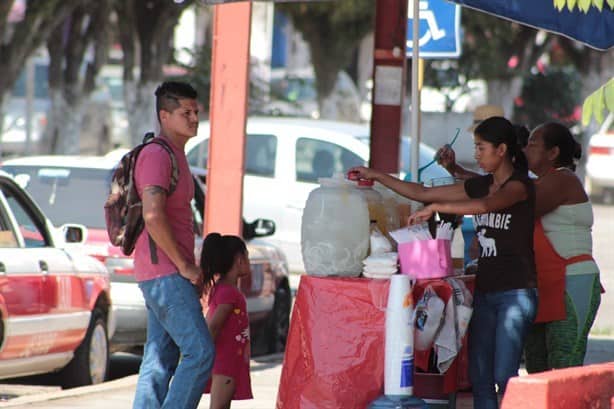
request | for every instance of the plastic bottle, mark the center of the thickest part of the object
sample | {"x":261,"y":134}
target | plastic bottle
{"x":391,"y":204}
{"x":375,"y":203}
{"x":335,"y":229}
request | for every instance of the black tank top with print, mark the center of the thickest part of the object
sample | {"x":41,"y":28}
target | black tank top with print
{"x":505,"y":236}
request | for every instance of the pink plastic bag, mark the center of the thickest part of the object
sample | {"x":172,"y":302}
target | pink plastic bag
{"x":426,"y":258}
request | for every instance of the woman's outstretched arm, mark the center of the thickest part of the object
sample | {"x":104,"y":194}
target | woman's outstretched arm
{"x":414,"y":191}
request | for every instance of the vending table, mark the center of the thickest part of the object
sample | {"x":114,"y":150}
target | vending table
{"x":335,"y":348}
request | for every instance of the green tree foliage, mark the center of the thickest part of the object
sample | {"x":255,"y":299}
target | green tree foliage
{"x":603,"y":98}
{"x":553,"y":94}
{"x":492,"y":49}
{"x":333,"y":30}
{"x":599,"y":101}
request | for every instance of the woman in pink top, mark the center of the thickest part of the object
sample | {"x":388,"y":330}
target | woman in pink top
{"x":224,"y":260}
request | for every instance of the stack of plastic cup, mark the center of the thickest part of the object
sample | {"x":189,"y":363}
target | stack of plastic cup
{"x":399,"y":349}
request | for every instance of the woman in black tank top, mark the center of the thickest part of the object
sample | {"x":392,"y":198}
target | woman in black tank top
{"x":505,"y":298}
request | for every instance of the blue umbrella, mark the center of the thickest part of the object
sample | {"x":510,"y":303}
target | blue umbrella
{"x":594,"y":28}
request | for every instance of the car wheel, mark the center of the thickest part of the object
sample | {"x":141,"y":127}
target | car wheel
{"x":280,"y":319}
{"x":90,"y":364}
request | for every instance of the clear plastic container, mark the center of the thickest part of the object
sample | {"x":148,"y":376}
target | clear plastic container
{"x":391,"y":205}
{"x":335,"y":229}
{"x":375,"y":203}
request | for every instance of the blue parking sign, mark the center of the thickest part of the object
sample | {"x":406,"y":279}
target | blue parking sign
{"x":439,"y":29}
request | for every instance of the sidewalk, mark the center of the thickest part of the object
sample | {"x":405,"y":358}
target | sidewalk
{"x":119,"y":394}
{"x":266,"y":372}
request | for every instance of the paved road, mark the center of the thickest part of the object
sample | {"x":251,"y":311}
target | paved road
{"x":603,"y":240}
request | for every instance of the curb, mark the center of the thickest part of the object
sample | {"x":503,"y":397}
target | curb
{"x":127,"y":381}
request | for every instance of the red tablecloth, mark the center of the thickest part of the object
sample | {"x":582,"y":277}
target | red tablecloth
{"x":335,"y":349}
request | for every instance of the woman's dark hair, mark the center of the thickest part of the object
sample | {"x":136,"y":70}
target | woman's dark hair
{"x":498,"y":130}
{"x":522,"y":135}
{"x":558,"y":135}
{"x":218,"y":255}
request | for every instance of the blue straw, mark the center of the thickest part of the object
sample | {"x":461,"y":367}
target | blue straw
{"x":449,"y":145}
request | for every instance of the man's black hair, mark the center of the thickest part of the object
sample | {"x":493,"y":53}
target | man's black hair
{"x":169,"y":93}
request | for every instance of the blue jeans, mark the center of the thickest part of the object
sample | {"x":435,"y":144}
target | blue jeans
{"x":176,"y":328}
{"x":498,"y":328}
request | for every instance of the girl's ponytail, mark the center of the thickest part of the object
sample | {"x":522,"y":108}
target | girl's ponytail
{"x":218,"y":255}
{"x":519,"y":159}
{"x":209,"y":257}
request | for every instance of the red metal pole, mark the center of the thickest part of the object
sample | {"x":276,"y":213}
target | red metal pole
{"x":229,"y":88}
{"x":388,"y":83}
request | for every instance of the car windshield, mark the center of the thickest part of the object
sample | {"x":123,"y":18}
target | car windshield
{"x":66,"y":195}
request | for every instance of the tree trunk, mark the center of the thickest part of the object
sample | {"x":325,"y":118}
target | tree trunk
{"x":63,"y":126}
{"x":503,"y":91}
{"x":19,"y":40}
{"x":3,"y":99}
{"x":148,"y":24}
{"x":72,"y":116}
{"x":140,"y":106}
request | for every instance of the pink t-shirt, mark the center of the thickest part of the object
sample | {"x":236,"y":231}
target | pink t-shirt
{"x":153,"y":168}
{"x":232,"y":345}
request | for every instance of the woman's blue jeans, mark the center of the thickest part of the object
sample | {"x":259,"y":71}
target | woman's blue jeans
{"x":497,"y":332}
{"x":178,"y":346}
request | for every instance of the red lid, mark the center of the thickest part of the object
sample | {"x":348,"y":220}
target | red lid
{"x":353,"y":175}
{"x":365,"y":182}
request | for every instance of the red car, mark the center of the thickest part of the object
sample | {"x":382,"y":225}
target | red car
{"x":55,"y":303}
{"x":58,"y":183}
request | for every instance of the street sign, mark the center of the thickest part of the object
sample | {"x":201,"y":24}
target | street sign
{"x":439,"y":25}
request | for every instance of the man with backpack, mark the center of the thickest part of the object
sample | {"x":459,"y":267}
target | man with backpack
{"x":178,"y":342}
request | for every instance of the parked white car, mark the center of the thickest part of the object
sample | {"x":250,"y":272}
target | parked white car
{"x":72,"y":189}
{"x":284,"y":157}
{"x":599,"y":176}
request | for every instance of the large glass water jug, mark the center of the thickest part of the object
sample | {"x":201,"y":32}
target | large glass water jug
{"x":335,"y":229}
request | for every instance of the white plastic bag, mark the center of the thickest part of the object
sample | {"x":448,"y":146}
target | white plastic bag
{"x":379,"y":243}
{"x":428,"y":319}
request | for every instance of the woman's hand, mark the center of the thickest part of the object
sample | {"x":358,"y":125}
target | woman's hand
{"x":446,"y":157}
{"x":362,"y":172}
{"x":421,"y":215}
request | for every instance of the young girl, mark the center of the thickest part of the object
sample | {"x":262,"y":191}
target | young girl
{"x":505,"y":297}
{"x":223,"y":261}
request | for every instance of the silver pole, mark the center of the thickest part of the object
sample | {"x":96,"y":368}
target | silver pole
{"x":415,"y":94}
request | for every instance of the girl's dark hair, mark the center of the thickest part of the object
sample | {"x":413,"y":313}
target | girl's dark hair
{"x":556,"y":134}
{"x":218,"y":255}
{"x":522,"y":134}
{"x":498,"y":130}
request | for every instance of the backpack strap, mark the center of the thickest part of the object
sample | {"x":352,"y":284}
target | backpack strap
{"x":174,"y":166}
{"x":148,"y":138}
